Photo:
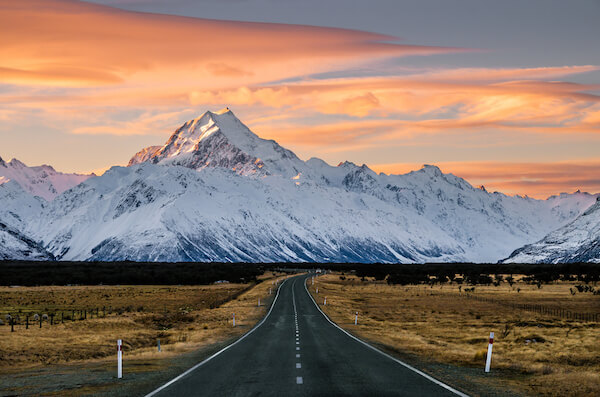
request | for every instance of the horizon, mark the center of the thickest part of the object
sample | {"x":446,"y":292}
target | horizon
{"x":502,"y":98}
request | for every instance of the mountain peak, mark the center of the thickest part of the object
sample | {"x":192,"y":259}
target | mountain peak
{"x":16,"y":163}
{"x":432,"y":170}
{"x":220,"y":139}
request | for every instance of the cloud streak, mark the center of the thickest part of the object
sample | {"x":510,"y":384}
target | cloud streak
{"x":79,"y":44}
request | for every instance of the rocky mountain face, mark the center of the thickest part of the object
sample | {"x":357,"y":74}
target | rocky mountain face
{"x":17,"y":210}
{"x":217,"y":192}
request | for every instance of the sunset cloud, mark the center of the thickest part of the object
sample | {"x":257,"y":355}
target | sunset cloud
{"x":81,"y":44}
{"x":74,"y":72}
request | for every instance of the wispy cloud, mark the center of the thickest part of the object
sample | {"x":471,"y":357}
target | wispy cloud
{"x":95,"y":72}
{"x":81,"y":44}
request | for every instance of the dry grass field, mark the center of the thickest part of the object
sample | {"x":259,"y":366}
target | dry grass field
{"x":533,"y":353}
{"x":184,"y":318}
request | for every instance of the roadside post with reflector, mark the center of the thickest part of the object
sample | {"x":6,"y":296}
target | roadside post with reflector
{"x":488,"y":360}
{"x":119,"y":358}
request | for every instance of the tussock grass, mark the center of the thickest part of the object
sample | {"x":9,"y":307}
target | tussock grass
{"x":533,"y":353}
{"x":183,"y":317}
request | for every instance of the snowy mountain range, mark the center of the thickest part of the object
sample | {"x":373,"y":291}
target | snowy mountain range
{"x":217,"y":192}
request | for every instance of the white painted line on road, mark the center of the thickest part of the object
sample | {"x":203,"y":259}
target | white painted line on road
{"x":298,"y":365}
{"x":299,"y":380}
{"x":297,"y":342}
{"x":297,"y":348}
{"x":169,"y":383}
{"x":423,"y":374}
{"x":297,"y":356}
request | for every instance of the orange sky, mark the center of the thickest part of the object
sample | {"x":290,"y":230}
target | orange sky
{"x":84,"y":86}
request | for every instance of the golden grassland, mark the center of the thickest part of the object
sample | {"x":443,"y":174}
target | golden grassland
{"x":184,"y":318}
{"x":532,"y":354}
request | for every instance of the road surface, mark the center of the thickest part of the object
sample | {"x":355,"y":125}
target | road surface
{"x":297,"y":351}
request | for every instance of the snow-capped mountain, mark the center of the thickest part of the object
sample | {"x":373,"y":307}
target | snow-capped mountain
{"x":17,"y":210}
{"x":43,"y":181}
{"x":219,"y":139}
{"x":153,"y":212}
{"x":578,"y":241}
{"x":217,"y":192}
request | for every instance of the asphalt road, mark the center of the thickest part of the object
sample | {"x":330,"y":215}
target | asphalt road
{"x":297,"y":351}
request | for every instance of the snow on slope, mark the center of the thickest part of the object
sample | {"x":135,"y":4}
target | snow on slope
{"x":578,"y":241}
{"x":43,"y":181}
{"x":216,"y":191}
{"x":154,"y":212}
{"x":17,"y":209}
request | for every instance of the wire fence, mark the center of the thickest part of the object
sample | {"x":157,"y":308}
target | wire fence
{"x":540,"y":309}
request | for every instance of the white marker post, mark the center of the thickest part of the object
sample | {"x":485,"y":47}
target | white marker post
{"x":159,"y":346}
{"x":356,"y":319}
{"x":313,"y":280}
{"x":269,"y":291}
{"x":119,"y":359}
{"x":317,"y":290}
{"x":258,"y":301}
{"x":325,"y":302}
{"x":488,"y":361}
{"x":234,"y":319}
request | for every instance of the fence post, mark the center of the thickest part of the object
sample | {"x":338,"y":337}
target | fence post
{"x":27,"y":321}
{"x":159,"y":345}
{"x":12,"y":324}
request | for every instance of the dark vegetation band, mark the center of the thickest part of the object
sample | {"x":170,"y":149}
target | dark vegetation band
{"x":31,"y":273}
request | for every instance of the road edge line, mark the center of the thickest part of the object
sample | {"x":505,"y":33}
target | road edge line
{"x":195,"y":367}
{"x":423,"y":374}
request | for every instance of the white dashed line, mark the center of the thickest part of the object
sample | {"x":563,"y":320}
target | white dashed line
{"x":297,"y":356}
{"x":298,"y":365}
{"x":297,"y":348}
{"x":299,"y":380}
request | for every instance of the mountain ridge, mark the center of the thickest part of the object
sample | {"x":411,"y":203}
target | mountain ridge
{"x":43,"y":181}
{"x":215,"y":191}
